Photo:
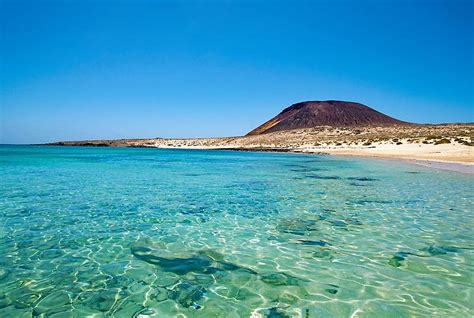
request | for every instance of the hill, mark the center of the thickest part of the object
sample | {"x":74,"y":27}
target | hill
{"x":325,"y":113}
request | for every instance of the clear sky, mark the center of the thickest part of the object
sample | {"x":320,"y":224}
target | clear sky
{"x":120,"y":69}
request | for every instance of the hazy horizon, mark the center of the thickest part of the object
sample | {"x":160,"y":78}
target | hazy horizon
{"x":73,"y":70}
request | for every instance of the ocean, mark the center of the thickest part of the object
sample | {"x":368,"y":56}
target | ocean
{"x":136,"y":232}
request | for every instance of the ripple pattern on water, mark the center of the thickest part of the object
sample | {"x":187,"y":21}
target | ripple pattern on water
{"x":157,"y":233}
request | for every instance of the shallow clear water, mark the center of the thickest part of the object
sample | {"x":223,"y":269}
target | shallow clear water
{"x":145,"y":232}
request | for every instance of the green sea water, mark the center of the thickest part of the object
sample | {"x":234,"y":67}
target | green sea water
{"x":103,"y":232}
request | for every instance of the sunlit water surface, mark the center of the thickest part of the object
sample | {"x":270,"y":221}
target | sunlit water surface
{"x":104,"y":232}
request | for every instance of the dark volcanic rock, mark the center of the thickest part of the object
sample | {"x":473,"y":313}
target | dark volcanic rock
{"x":325,"y":113}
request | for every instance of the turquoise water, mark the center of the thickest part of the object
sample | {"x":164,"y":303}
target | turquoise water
{"x":102,"y":232}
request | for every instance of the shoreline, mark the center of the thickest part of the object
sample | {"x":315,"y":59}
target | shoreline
{"x":446,"y":146}
{"x":447,"y":165}
{"x":438,"y":164}
{"x":454,"y":166}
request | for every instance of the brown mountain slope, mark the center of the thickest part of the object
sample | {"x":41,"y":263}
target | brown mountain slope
{"x":325,"y":113}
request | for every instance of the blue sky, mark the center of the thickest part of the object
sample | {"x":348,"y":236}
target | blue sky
{"x":120,"y":69}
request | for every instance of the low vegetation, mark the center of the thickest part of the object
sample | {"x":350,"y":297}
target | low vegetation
{"x":442,"y":141}
{"x":320,"y":137}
